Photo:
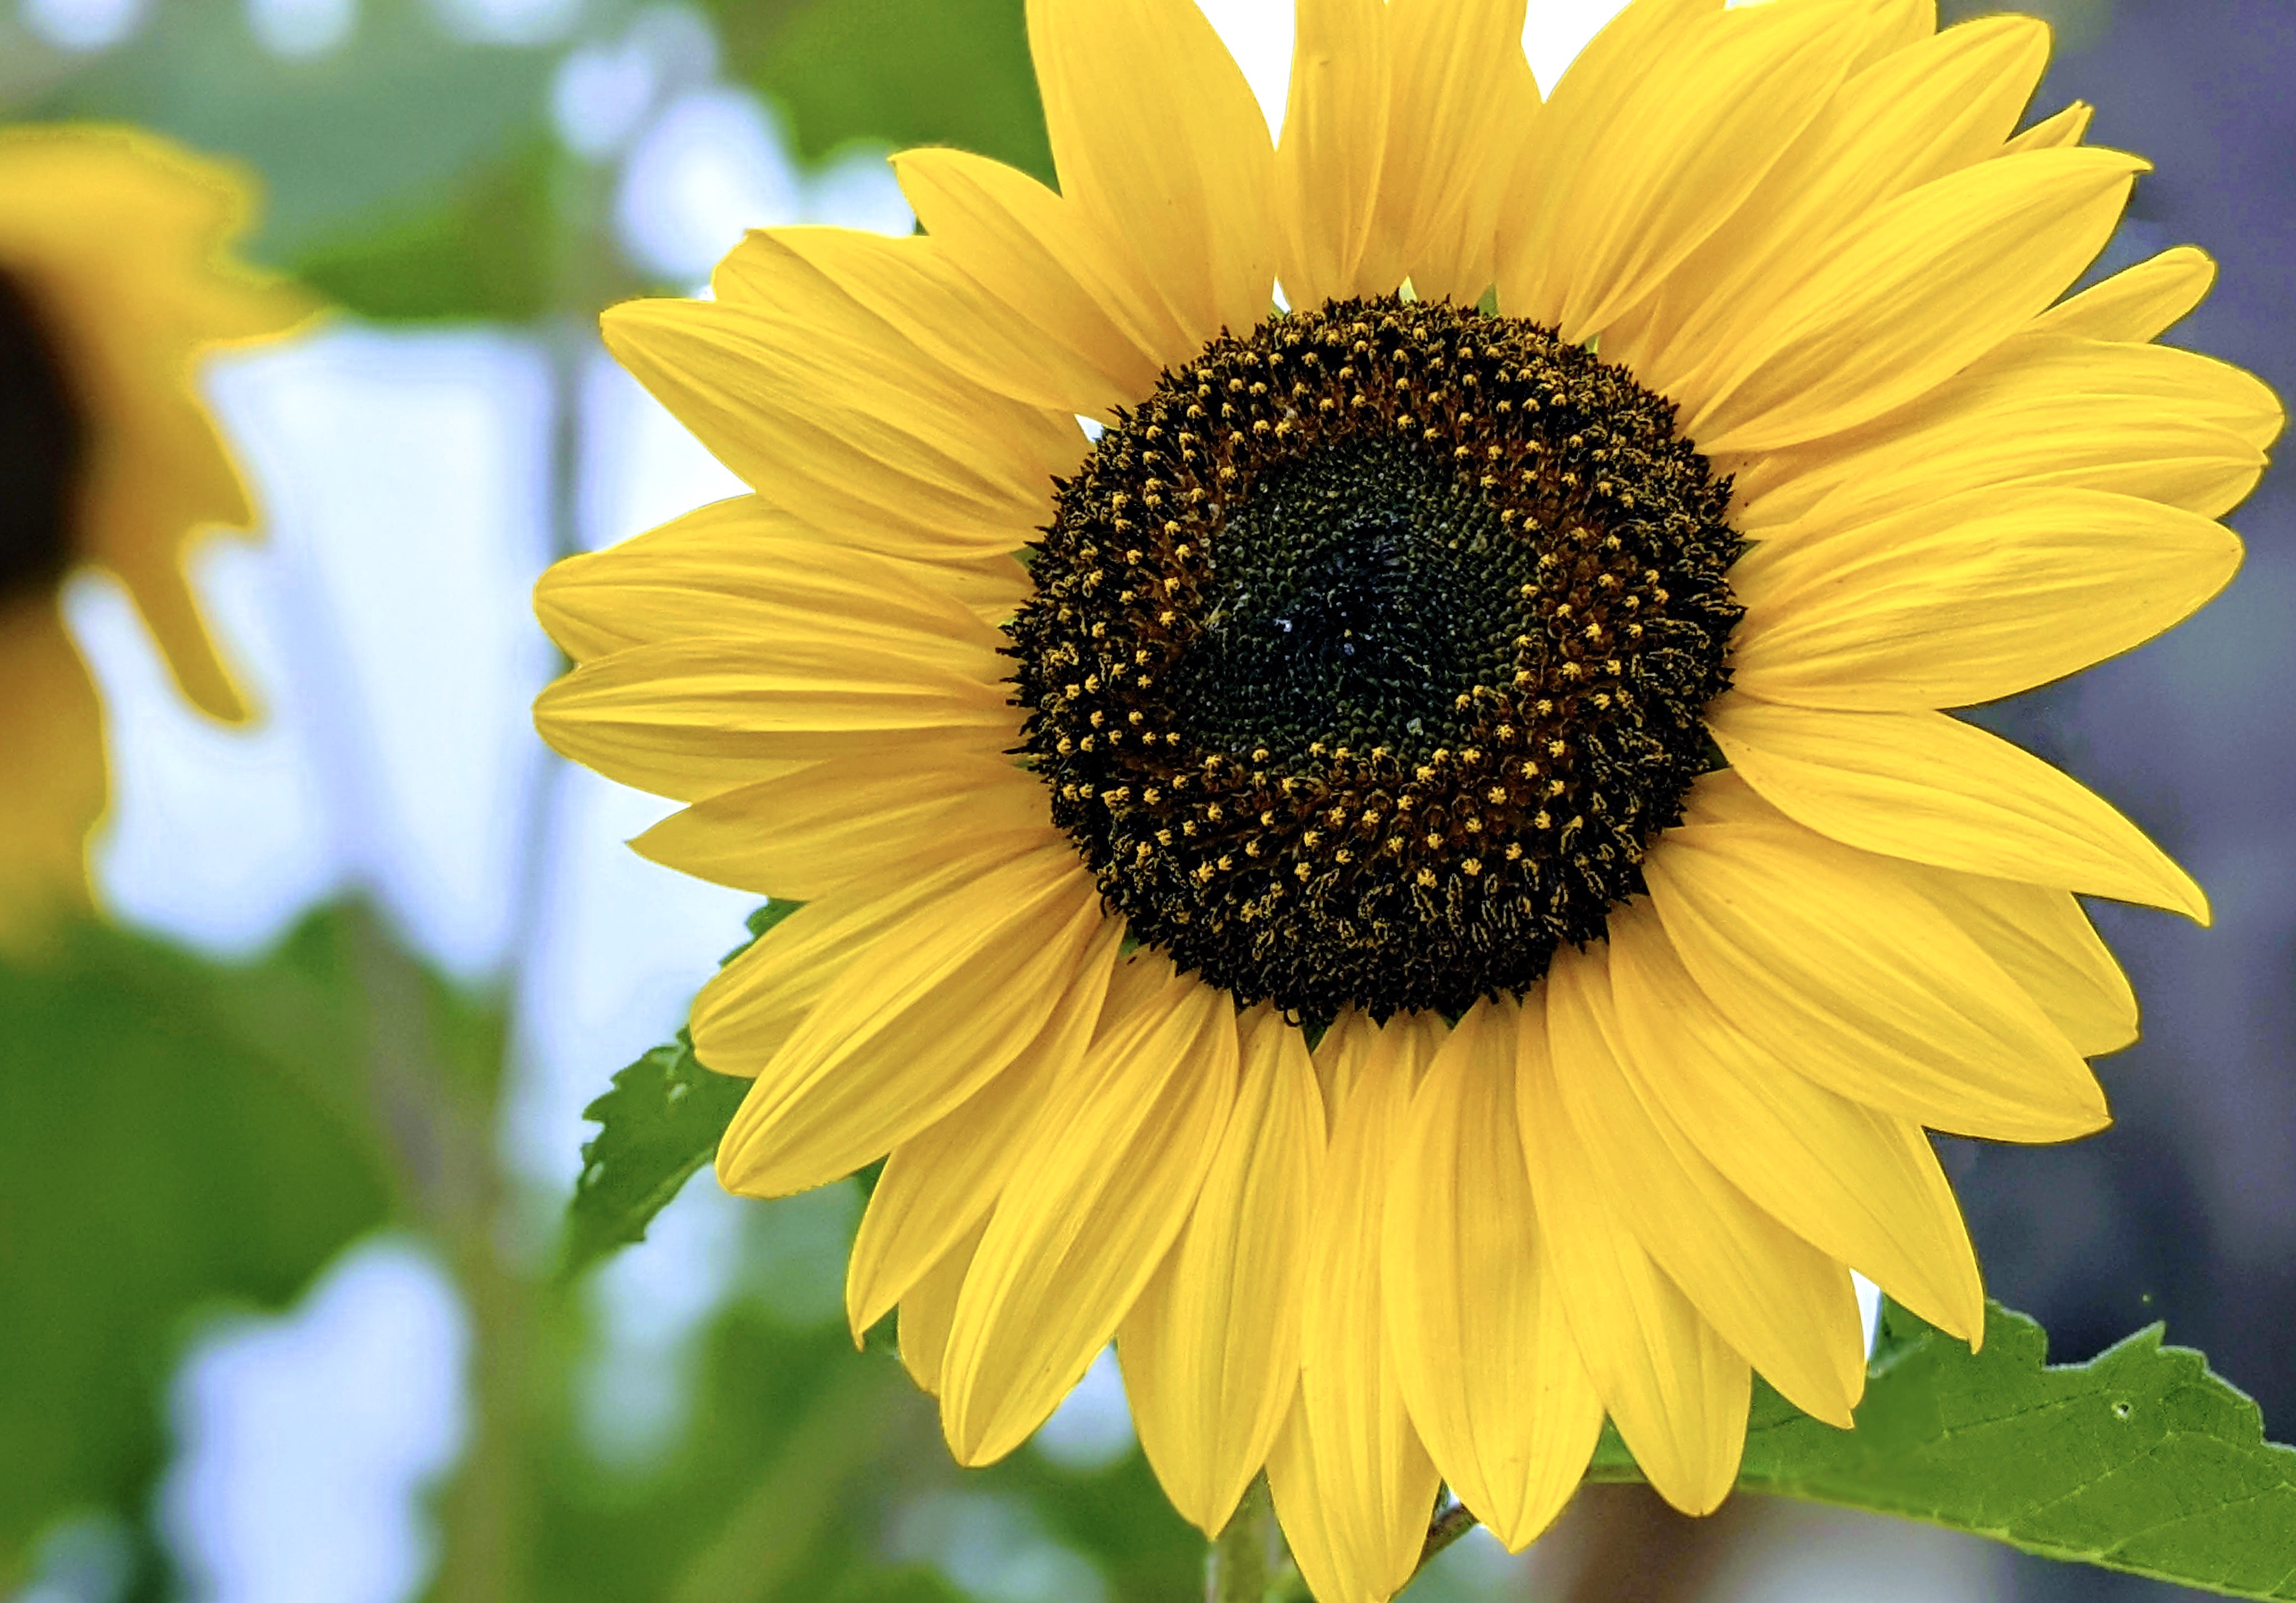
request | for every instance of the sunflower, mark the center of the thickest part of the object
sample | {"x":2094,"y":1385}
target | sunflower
{"x":114,"y":280}
{"x":1412,"y":873}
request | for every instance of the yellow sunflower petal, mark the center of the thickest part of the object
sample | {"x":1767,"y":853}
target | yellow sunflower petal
{"x":690,"y":718}
{"x":1975,"y":598}
{"x":2054,"y":133}
{"x":1923,"y":786}
{"x":1711,"y":103}
{"x":1587,"y":104}
{"x":52,"y":730}
{"x":750,"y":1007}
{"x":840,"y":418}
{"x":1157,"y":136}
{"x":926,"y":1018}
{"x":2041,"y":410}
{"x":734,"y":569}
{"x":1101,"y":1189}
{"x":716,"y":567}
{"x":914,"y":284}
{"x":1296,"y":1481}
{"x":1782,"y":1303}
{"x":1340,"y":1060}
{"x":939,"y":1184}
{"x":1910,"y":295}
{"x":805,"y":834}
{"x":1829,"y":958}
{"x":1475,"y":1322}
{"x":1357,"y":1465}
{"x":1887,"y":26}
{"x":1044,"y":260}
{"x":161,"y":589}
{"x":1211,"y":1350}
{"x":930,"y":1308}
{"x":2046,"y":943}
{"x":1677,"y":1391}
{"x":2137,"y":303}
{"x":126,"y":243}
{"x":1461,"y":102}
{"x":1915,"y":115}
{"x":1858,"y":1183}
{"x":1329,"y":164}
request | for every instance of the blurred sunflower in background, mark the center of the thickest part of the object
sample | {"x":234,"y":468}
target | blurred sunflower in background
{"x":115,"y":278}
{"x":1414,"y":874}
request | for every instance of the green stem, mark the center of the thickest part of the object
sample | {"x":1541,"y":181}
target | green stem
{"x":439,"y":1123}
{"x":1250,"y":1555}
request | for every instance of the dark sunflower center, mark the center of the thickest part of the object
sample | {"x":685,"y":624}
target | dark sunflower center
{"x":42,"y":447}
{"x":1367,"y":654}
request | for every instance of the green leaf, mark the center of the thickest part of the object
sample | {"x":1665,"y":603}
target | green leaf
{"x":173,"y":1134}
{"x":658,"y":1124}
{"x":2142,"y":1460}
{"x":896,"y":73}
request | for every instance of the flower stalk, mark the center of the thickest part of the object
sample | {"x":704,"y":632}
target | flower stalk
{"x":1249,"y":1560}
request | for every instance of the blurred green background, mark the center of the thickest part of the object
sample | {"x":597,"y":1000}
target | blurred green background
{"x":285,"y":1147}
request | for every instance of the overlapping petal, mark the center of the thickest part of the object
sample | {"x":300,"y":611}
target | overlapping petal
{"x":1676,"y":1390}
{"x":1971,"y":599}
{"x":1855,"y":979}
{"x":1909,"y":295}
{"x":2046,"y":943}
{"x":739,"y":569}
{"x":1333,"y":157}
{"x":1860,"y":1184}
{"x":936,"y":1188}
{"x":2137,"y":303}
{"x":1474,"y":1316}
{"x":807,"y":834}
{"x":1460,"y":101}
{"x":1101,"y":1189}
{"x":1656,"y":134}
{"x":689,"y":718}
{"x":752,"y":1005}
{"x":916,"y":285}
{"x":1783,"y":1304}
{"x":1159,"y":140}
{"x":1349,"y":1465}
{"x":2044,"y":409}
{"x":930,"y":1308}
{"x":1211,"y":1350}
{"x":1923,"y":786}
{"x":843,"y":421}
{"x":1916,"y":114}
{"x":942,"y":1004}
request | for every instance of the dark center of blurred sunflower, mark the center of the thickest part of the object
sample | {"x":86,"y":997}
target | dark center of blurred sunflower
{"x":1366,"y":655}
{"x":43,"y":448}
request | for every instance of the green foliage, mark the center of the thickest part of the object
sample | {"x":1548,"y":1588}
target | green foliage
{"x":2141,"y":1459}
{"x":481,"y":252}
{"x":172,"y":1134}
{"x":789,"y":1431}
{"x":896,"y":73}
{"x":410,"y":176}
{"x":658,"y":1124}
{"x":1118,"y":1517}
{"x":377,"y":129}
{"x":405,"y":176}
